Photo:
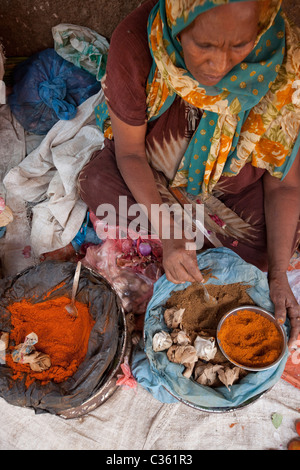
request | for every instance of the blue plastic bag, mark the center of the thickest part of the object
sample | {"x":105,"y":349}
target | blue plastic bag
{"x":48,"y":88}
{"x":164,"y":379}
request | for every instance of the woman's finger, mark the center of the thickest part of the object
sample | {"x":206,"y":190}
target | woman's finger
{"x":183,"y":274}
{"x":178,"y":275}
{"x":294,"y":338}
{"x":171,"y":278}
{"x":280,"y":309}
{"x":182,"y":268}
{"x":294,"y":316}
{"x":190,"y":264}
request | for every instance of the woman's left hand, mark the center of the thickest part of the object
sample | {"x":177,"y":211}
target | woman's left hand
{"x":285,"y":304}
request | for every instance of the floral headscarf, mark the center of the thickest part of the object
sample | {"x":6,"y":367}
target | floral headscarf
{"x":252,"y":114}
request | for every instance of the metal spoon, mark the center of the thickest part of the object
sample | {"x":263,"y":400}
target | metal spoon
{"x":209,"y":298}
{"x":71,"y":308}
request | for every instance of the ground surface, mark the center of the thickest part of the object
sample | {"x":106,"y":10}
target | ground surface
{"x":25,"y":25}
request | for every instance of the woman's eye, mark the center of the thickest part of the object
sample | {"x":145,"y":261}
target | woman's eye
{"x":241,"y":46}
{"x":212,"y":46}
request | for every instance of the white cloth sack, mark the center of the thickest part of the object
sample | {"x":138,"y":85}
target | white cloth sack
{"x":48,"y":177}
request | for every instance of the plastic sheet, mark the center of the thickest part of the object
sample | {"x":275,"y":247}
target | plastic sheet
{"x":48,"y":88}
{"x":109,"y":327}
{"x":155,"y":373}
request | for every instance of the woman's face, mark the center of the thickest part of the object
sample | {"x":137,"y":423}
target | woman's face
{"x":219,"y":39}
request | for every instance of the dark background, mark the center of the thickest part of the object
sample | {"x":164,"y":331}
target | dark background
{"x":25,"y":25}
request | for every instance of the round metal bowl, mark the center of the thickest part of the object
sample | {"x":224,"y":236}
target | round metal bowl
{"x":270,"y":317}
{"x":107,"y":382}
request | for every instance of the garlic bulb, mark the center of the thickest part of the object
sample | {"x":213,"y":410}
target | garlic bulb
{"x":38,"y":361}
{"x":205,"y":347}
{"x":173,"y":317}
{"x":185,"y":355}
{"x":4,"y":340}
{"x":161,"y":341}
{"x":180,"y":337}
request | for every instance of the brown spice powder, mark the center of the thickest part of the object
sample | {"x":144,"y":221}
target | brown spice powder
{"x":200,"y":315}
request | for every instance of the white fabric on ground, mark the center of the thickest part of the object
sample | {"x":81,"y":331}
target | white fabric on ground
{"x":48,"y":177}
{"x":135,"y":420}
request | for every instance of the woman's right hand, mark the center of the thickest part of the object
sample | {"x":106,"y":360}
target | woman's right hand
{"x":180,"y":264}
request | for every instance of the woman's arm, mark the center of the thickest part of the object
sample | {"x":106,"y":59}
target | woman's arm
{"x":282,"y":212}
{"x":180,"y":264}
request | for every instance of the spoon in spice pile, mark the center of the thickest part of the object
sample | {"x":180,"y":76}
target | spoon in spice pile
{"x":208,"y":298}
{"x":71,"y":308}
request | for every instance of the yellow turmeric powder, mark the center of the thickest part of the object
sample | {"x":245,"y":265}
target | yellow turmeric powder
{"x":250,"y":339}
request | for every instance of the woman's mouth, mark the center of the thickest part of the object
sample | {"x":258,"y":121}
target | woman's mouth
{"x":211,"y":79}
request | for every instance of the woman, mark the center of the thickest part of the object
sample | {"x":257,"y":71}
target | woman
{"x":203,"y":108}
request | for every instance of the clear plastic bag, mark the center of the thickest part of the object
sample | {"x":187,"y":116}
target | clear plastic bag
{"x":131,"y":273}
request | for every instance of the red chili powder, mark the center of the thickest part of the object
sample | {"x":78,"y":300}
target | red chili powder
{"x":63,"y":337}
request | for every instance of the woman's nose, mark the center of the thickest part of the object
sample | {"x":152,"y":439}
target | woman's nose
{"x":220,"y":62}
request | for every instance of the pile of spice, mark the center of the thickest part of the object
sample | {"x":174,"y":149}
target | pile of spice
{"x":200,"y":315}
{"x":191,"y":341}
{"x":250,"y":339}
{"x":62,"y":337}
